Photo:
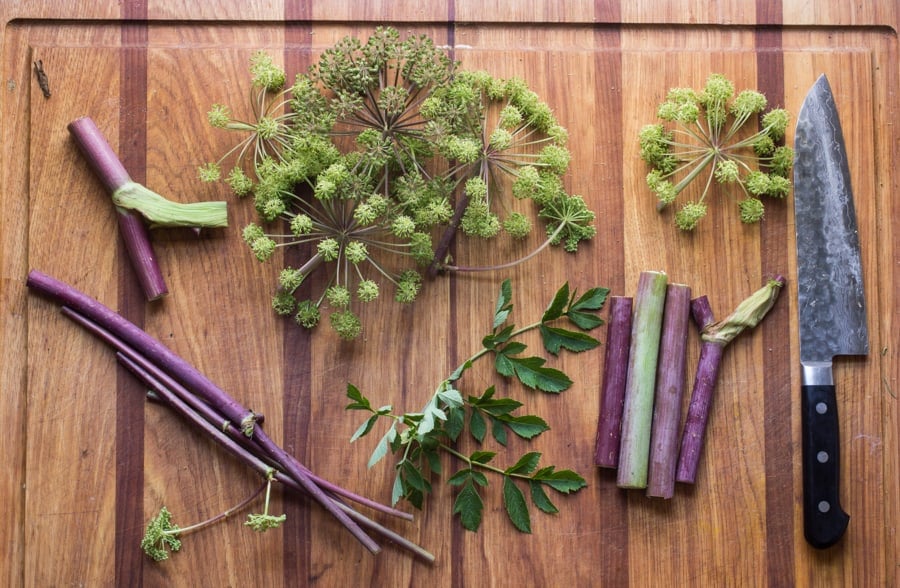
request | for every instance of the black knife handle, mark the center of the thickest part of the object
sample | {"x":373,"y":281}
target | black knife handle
{"x":824,"y":521}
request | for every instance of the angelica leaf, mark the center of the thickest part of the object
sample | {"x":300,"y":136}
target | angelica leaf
{"x":364,"y":428}
{"x":360,"y":402}
{"x":532,"y":372}
{"x":525,"y":426}
{"x":526,"y":464}
{"x":504,"y":304}
{"x":555,"y":338}
{"x":557,"y":305}
{"x":516,"y":507}
{"x":540,"y":499}
{"x":477,"y":426}
{"x":564,"y":481}
{"x":469,"y":506}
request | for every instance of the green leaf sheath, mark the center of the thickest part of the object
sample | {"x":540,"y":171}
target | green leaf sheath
{"x":664,"y":438}
{"x":637,"y":415}
{"x":612,"y":391}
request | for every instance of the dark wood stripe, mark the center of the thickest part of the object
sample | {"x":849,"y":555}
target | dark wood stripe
{"x":296,"y":347}
{"x":129,"y":466}
{"x":777,"y":392}
{"x":612,"y":549}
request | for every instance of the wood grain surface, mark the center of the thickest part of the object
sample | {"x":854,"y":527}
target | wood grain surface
{"x":87,"y":461}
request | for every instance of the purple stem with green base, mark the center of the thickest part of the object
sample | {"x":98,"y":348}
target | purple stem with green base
{"x":716,"y":336}
{"x":112,"y":174}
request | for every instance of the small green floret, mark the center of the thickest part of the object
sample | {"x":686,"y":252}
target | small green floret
{"x":161,"y":536}
{"x":265,"y":73}
{"x":346,"y":324}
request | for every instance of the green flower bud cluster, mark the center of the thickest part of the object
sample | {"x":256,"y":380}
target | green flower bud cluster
{"x":705,"y":137}
{"x":373,"y":151}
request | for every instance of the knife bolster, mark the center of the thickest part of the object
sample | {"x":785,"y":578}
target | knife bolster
{"x":816,"y":373}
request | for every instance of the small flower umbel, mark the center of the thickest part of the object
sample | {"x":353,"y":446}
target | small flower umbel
{"x":265,"y":135}
{"x":710,"y":142}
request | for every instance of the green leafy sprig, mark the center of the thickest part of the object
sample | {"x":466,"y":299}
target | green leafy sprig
{"x":708,"y":142}
{"x":419,"y":438}
{"x":377,"y":149}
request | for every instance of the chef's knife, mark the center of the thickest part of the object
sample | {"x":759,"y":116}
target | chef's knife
{"x":831,"y":303}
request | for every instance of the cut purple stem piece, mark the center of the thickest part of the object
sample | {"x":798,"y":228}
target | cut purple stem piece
{"x":615,"y":368}
{"x":112,"y":174}
{"x":669,"y":392}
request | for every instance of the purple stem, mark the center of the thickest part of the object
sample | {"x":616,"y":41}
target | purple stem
{"x":235,"y":447}
{"x":187,"y":375}
{"x":667,"y":398}
{"x":447,"y":236}
{"x":112,"y":174}
{"x":701,"y":397}
{"x":615,"y":368}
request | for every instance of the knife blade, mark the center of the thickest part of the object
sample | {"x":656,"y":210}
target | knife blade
{"x":831,"y":302}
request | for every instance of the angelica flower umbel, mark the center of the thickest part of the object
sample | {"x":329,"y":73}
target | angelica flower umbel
{"x":704,"y":136}
{"x":380,"y":146}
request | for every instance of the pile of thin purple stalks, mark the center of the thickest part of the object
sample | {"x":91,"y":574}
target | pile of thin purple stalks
{"x":212,"y":411}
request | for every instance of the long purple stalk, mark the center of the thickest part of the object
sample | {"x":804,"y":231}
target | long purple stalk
{"x":190,"y":378}
{"x":669,"y":392}
{"x":235,"y":447}
{"x":112,"y":174}
{"x":612,"y":392}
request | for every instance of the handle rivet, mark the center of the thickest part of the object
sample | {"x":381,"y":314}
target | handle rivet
{"x":821,"y":408}
{"x":822,"y":456}
{"x":824,"y":506}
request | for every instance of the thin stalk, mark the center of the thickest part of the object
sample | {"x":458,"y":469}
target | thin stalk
{"x":193,"y":380}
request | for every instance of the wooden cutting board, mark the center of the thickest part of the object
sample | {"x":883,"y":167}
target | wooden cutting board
{"x":88,"y":461}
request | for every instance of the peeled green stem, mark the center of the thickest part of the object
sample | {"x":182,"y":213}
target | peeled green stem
{"x":612,"y":392}
{"x":161,"y":212}
{"x":669,"y":393}
{"x":637,"y":416}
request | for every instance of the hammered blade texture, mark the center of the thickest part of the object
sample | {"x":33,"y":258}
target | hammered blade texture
{"x":830,"y":283}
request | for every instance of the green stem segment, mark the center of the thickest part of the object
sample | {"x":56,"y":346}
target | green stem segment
{"x":669,"y":392}
{"x":637,"y":413}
